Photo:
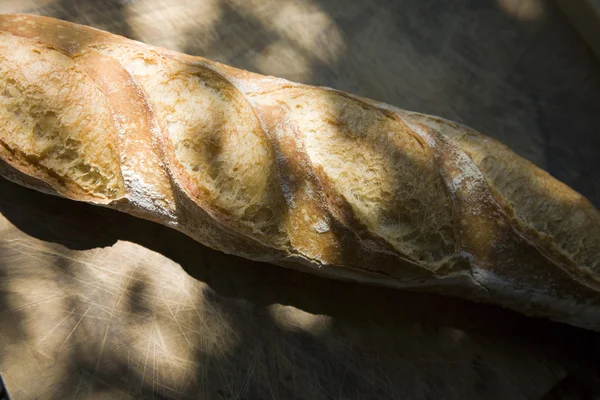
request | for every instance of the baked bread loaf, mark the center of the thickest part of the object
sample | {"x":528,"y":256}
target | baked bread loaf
{"x":300,"y":176}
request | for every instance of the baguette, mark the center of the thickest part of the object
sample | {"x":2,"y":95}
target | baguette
{"x":300,"y":176}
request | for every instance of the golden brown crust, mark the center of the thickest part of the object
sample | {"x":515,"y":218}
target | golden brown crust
{"x":59,"y":141}
{"x":304,"y":177}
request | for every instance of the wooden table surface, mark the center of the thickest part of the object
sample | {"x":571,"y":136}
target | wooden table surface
{"x":95,"y":304}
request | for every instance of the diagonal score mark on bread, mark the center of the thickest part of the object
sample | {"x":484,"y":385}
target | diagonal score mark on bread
{"x":58,"y":139}
{"x":217,"y":143}
{"x":304,"y":177}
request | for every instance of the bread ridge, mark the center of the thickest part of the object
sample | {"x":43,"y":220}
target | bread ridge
{"x":305,"y":177}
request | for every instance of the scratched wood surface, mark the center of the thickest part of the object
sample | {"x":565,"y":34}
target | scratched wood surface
{"x":95,"y":304}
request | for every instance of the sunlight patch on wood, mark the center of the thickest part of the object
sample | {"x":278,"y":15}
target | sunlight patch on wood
{"x":307,"y":36}
{"x":17,"y":6}
{"x":180,"y":17}
{"x":292,"y":318}
{"x":524,"y":10}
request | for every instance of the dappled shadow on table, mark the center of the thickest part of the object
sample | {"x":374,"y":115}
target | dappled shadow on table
{"x":101,"y":298}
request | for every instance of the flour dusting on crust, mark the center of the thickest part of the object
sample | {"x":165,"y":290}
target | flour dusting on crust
{"x":144,"y":195}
